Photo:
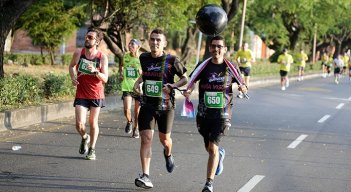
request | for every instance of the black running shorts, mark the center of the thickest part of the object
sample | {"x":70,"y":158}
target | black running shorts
{"x":131,"y":94}
{"x":245,"y":71}
{"x":149,"y":117}
{"x":212,"y":130}
{"x":89,"y":102}
{"x":283,"y":73}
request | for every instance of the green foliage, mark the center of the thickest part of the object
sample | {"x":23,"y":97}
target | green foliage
{"x":66,"y":59}
{"x":18,"y":58}
{"x":48,"y":23}
{"x":34,"y":59}
{"x":25,"y":90}
{"x":19,"y":90}
{"x":57,"y":86}
{"x":113,"y":85}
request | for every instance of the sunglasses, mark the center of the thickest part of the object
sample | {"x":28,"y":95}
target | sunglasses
{"x":213,"y":46}
{"x":90,"y":37}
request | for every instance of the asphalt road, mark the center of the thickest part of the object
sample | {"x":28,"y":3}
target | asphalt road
{"x":280,"y":141}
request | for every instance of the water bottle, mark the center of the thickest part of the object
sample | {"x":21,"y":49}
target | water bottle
{"x":16,"y":147}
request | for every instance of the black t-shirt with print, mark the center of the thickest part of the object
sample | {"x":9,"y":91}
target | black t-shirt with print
{"x":155,"y":74}
{"x":215,"y":78}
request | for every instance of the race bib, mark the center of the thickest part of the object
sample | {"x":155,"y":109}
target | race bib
{"x":153,"y":88}
{"x":131,"y":72}
{"x":243,"y":60}
{"x":83,"y":66}
{"x":214,"y":99}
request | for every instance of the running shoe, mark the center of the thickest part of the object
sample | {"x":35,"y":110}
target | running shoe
{"x":169,"y":162}
{"x":91,"y":154}
{"x":220,"y":162}
{"x":240,"y":95}
{"x":135,"y":133}
{"x":283,"y":88}
{"x":208,"y":187}
{"x":143,"y":181}
{"x":84,"y":145}
{"x":128,"y":128}
{"x":287,"y":84}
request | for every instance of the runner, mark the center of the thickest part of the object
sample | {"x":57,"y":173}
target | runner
{"x":338,"y":65}
{"x":216,"y":76}
{"x":89,"y":72}
{"x":285,"y":60}
{"x":345,"y":59}
{"x":244,"y":57}
{"x":301,"y":59}
{"x":158,"y":102}
{"x":325,"y":64}
{"x":129,"y":71}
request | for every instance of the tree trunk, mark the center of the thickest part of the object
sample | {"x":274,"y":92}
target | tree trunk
{"x":52,"y":55}
{"x":10,"y":11}
{"x":187,"y":49}
{"x":338,"y":45}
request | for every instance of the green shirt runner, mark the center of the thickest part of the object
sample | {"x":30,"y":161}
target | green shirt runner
{"x":131,"y":73}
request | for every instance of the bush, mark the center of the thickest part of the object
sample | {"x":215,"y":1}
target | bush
{"x":113,"y":85}
{"x":19,"y":90}
{"x":57,"y":86}
{"x":35,"y":59}
{"x":66,"y":59}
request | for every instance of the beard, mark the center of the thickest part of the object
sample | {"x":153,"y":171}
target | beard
{"x":87,"y":45}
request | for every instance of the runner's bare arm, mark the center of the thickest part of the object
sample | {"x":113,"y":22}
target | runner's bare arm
{"x":103,"y":75}
{"x":182,"y":81}
{"x":72,"y":67}
{"x":136,"y":88}
{"x":120,"y":69}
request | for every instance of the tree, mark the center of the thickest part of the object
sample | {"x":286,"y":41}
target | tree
{"x":280,"y":22}
{"x":10,"y":11}
{"x":334,"y":30}
{"x":117,"y":18}
{"x":48,"y":23}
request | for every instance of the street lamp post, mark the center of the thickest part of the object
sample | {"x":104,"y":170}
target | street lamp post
{"x":242,"y":25}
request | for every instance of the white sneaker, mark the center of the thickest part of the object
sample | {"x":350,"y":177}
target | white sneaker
{"x":240,"y":95}
{"x":302,"y":78}
{"x":287,"y":84}
{"x":283,"y":88}
{"x":336,"y":81}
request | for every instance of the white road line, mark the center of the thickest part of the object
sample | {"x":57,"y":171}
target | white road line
{"x":340,"y":106}
{"x":323,"y":119}
{"x":297,"y":141}
{"x":341,"y":99}
{"x":251,"y":184}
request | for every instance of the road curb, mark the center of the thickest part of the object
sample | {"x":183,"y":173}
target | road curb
{"x":21,"y":118}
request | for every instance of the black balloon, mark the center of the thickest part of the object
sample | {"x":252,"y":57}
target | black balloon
{"x":211,"y":19}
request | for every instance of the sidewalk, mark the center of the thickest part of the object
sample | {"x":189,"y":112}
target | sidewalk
{"x":21,"y":118}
